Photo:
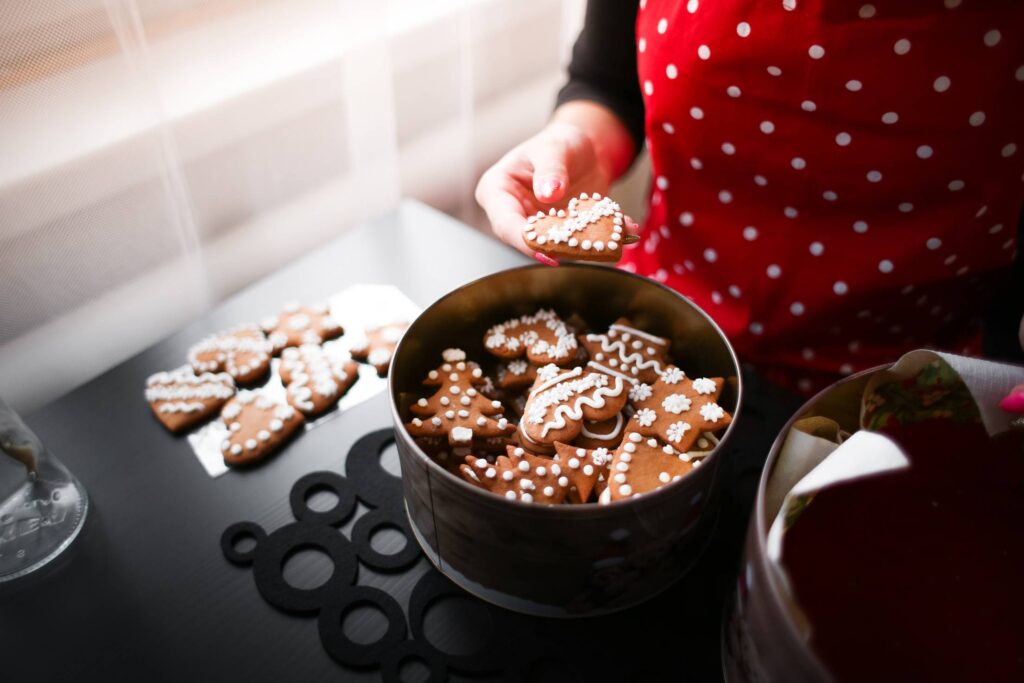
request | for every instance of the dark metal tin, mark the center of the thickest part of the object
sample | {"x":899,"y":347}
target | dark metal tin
{"x":566,"y":560}
{"x":760,"y":641}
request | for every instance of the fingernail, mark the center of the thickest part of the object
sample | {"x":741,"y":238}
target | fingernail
{"x":1014,"y":403}
{"x":545,"y":259}
{"x":627,"y":240}
{"x":550,"y":187}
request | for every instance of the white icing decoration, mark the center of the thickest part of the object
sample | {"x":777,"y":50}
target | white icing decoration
{"x":676,"y":403}
{"x":672,"y":376}
{"x":646,"y":417}
{"x":712,"y":412}
{"x":640,"y":392}
{"x":505,"y":336}
{"x":676,"y":431}
{"x":704,"y":386}
{"x":605,"y":437}
{"x":461,"y":434}
{"x":556,"y":394}
{"x":518,"y":367}
{"x":453,"y":355}
{"x":601,"y":457}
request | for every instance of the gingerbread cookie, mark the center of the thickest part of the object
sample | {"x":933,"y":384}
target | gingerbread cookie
{"x":180,"y":398}
{"x":257,"y":426}
{"x":520,"y":476}
{"x":297,"y":325}
{"x":590,"y":228}
{"x":379,"y":345}
{"x":457,"y":409}
{"x":641,"y":465}
{"x":624,"y":350}
{"x":586,"y":469}
{"x":562,"y":399}
{"x":315,"y":377}
{"x":678,"y":410}
{"x":516,"y":374}
{"x":542,"y":338}
{"x":601,"y":434}
{"x":242,"y":352}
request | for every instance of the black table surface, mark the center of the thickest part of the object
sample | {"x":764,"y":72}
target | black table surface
{"x":146,"y":592}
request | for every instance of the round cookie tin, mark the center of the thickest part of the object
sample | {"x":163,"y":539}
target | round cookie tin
{"x":760,"y":638}
{"x":564,"y":560}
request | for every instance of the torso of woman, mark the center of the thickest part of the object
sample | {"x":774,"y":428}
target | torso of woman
{"x":834,"y":182}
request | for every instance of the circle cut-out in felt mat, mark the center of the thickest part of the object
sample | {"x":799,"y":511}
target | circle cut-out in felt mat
{"x":335,"y":483}
{"x":363,"y":531}
{"x":374,"y":485}
{"x":491,"y":656}
{"x":344,"y":649}
{"x":391,"y":665}
{"x":235,"y":533}
{"x":268,"y":567}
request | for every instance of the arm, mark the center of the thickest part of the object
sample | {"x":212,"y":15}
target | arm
{"x":588,"y":143}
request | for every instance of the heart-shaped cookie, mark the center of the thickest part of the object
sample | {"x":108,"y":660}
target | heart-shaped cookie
{"x":590,"y":228}
{"x":257,"y":426}
{"x":181,"y":398}
{"x":242,"y":352}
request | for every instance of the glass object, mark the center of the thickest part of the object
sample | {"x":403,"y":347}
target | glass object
{"x":42,"y":505}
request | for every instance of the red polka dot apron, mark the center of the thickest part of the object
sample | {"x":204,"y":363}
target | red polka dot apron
{"x":835,"y":182}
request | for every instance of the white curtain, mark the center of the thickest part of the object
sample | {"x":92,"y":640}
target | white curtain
{"x":158,"y":155}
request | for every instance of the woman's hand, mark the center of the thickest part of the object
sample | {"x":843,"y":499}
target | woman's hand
{"x":583,"y":149}
{"x":1014,"y":401}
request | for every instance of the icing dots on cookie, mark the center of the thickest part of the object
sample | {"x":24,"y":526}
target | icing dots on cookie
{"x":297,"y":325}
{"x":458,"y":409}
{"x":181,"y":398}
{"x":243,"y":352}
{"x":257,"y":426}
{"x":590,"y":228}
{"x":676,"y":412}
{"x":542,"y":338}
{"x":379,"y":346}
{"x":561,"y":400}
{"x":624,"y":350}
{"x":315,"y":376}
{"x":641,"y":465}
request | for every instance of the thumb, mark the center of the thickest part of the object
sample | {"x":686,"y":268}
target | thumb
{"x":550,"y":171}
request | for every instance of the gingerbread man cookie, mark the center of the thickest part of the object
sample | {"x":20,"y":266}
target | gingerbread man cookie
{"x":519,"y":476}
{"x":297,"y":325}
{"x":457,"y":409}
{"x":627,"y":351}
{"x":379,"y":346}
{"x":242,"y":352}
{"x":641,"y":465}
{"x":590,"y":228}
{"x":315,"y":377}
{"x":257,"y":426}
{"x":180,"y":398}
{"x":562,"y":399}
{"x":542,"y":338}
{"x":678,"y":410}
{"x":586,"y":468}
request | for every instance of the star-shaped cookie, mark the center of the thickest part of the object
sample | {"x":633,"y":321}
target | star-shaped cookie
{"x":590,"y":228}
{"x":677,"y":409}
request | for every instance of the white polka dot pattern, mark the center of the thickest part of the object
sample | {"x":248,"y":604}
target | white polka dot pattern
{"x":806,"y":166}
